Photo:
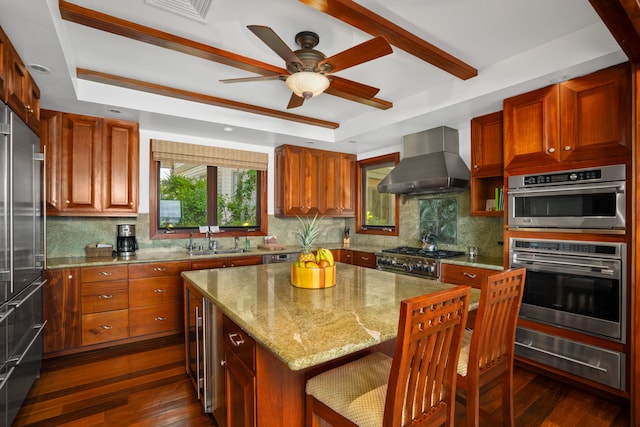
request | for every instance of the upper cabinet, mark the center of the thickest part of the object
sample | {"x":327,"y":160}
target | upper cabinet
{"x":486,"y":161}
{"x":584,"y":119}
{"x":93,"y":165}
{"x":310,"y":182}
{"x":17,"y":87}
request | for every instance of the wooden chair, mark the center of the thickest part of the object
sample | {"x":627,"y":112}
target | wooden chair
{"x":414,"y":387}
{"x":487,"y":351}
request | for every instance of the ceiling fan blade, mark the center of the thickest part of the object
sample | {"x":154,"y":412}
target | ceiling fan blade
{"x":367,"y":51}
{"x":295,"y":101}
{"x":254,"y":79}
{"x":356,"y":92}
{"x":271,"y":39}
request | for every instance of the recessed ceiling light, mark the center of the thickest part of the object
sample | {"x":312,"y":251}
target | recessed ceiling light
{"x":352,"y":141}
{"x":114,"y":110}
{"x":39,"y":68}
{"x":227,"y":129}
{"x":309,"y":142}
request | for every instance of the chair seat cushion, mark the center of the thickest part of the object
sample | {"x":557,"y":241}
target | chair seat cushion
{"x":463,"y":360}
{"x":356,"y":390}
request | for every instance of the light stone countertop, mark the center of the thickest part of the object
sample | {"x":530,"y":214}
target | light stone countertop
{"x":306,"y":327}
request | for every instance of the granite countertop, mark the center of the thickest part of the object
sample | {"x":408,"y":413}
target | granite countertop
{"x":166,"y":255}
{"x":306,"y":327}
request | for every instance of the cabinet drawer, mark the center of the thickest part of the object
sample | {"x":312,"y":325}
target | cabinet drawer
{"x":104,"y":273}
{"x":465,"y":275}
{"x":364,"y":259}
{"x":156,"y":318}
{"x":104,"y":296}
{"x":154,"y":291}
{"x":244,"y":260}
{"x":155,"y":269}
{"x":103,"y":327}
{"x":237,"y":341}
{"x":204,"y":264}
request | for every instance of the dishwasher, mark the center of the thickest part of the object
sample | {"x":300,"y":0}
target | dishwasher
{"x":274,"y":258}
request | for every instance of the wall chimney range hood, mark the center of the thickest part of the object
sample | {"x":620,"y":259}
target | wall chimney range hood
{"x":431,"y":164}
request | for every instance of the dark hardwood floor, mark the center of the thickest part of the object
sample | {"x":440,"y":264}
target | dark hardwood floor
{"x":144,"y":384}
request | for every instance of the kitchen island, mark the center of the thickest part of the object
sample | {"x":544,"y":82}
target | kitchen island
{"x":301,"y":332}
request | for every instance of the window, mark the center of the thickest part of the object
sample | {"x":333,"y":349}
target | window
{"x":377,"y":212}
{"x":187,"y":191}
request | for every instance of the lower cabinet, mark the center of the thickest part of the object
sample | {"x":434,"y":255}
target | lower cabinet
{"x":359,"y":258}
{"x":240,"y":378}
{"x":61,"y":309}
{"x":207,"y":263}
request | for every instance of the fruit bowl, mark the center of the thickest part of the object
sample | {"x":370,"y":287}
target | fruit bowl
{"x":313,"y":278}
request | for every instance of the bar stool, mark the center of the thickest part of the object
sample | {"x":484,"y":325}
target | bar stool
{"x":414,"y":387}
{"x":487,"y":351}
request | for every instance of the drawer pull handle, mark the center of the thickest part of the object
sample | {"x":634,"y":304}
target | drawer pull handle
{"x":160,"y":291}
{"x":105,"y":296}
{"x":106,"y":327}
{"x":364,"y":258}
{"x":161,"y":318}
{"x":472,"y":276}
{"x":105,"y":273}
{"x":159,"y":269}
{"x":236,"y":339}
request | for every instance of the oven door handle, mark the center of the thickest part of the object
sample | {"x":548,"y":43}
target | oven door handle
{"x":617,"y":188}
{"x":603,"y":269}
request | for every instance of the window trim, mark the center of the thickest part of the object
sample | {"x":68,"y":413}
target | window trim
{"x":362,"y":165}
{"x":157,"y":234}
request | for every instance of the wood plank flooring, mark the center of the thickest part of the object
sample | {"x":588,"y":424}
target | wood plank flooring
{"x":145,"y":384}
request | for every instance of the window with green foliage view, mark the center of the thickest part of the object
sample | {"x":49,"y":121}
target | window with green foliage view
{"x":196,"y":195}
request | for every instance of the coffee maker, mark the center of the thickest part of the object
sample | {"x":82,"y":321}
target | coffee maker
{"x":127,"y":244}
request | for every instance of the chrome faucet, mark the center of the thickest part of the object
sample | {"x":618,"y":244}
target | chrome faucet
{"x":190,"y":247}
{"x":213,"y":245}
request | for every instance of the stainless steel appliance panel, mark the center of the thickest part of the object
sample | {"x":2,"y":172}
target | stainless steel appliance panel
{"x":577,"y":199}
{"x":275,"y":258}
{"x":594,"y":363}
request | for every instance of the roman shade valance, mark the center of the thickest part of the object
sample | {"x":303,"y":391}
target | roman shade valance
{"x":169,"y":151}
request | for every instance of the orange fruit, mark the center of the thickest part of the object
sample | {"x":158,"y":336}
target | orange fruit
{"x":323,"y":263}
{"x":311,"y":264}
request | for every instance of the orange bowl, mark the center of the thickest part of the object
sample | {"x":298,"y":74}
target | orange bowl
{"x":313,"y":278}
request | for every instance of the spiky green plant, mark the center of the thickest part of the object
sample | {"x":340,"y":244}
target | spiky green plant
{"x":307,"y":235}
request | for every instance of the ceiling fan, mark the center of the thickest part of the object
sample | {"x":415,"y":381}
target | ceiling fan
{"x":310,"y":70}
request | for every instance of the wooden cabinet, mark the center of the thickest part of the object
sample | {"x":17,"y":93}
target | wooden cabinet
{"x":155,"y":298}
{"x":487,"y":162}
{"x":359,"y":258}
{"x":207,"y":263}
{"x":22,"y":92}
{"x":337,"y":188}
{"x":105,"y":304}
{"x":93,"y":165}
{"x":584,"y":119}
{"x":310,"y":182}
{"x":240,"y":378}
{"x":464,"y":275}
{"x":4,"y":46}
{"x":61,"y":309}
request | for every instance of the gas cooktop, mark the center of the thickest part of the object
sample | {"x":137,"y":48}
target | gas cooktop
{"x":408,"y":250}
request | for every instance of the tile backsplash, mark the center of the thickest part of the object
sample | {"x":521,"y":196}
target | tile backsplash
{"x":68,"y":236}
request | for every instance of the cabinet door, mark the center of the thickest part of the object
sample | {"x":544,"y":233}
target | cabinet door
{"x":61,"y":308}
{"x":595,"y":114}
{"x":486,"y":145}
{"x":244,"y":260}
{"x":17,"y":83}
{"x":33,"y":105}
{"x":364,"y":259}
{"x":531,"y":130}
{"x":120,"y":167}
{"x":50,"y":142}
{"x":298,"y":178}
{"x":207,"y":263}
{"x":81,"y":164}
{"x":4,"y":48}
{"x":240,"y":392}
{"x":337,"y":181}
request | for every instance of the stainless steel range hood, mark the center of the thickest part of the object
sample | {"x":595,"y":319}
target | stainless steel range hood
{"x":431,"y":164}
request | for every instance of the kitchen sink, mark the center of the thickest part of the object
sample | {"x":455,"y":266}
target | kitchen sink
{"x":218,"y":251}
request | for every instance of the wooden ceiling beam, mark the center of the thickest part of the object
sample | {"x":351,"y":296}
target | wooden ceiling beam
{"x":362,"y":18}
{"x":622,"y":17}
{"x":157,"y":89}
{"x":111,"y":24}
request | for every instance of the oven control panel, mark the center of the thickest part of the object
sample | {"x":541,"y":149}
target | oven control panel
{"x":414,"y":266}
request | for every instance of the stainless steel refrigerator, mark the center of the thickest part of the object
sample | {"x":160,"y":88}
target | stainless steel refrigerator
{"x":21,"y":262}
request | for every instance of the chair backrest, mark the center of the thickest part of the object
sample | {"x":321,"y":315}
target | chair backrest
{"x":493,"y":339}
{"x":423,"y":372}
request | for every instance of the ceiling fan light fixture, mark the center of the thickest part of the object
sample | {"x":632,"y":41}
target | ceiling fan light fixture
{"x":307,"y":84}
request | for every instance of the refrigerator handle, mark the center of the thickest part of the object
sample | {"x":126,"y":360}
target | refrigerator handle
{"x":43,"y":157}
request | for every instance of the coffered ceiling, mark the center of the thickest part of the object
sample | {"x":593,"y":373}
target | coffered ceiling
{"x":160,"y":62}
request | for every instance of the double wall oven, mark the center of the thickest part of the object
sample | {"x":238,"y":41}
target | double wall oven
{"x":579,"y":285}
